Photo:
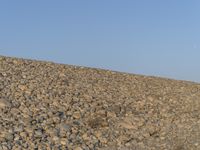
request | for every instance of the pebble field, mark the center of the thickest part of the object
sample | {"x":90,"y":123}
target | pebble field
{"x":49,"y":106}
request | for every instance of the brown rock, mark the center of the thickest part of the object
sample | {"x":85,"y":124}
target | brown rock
{"x":4,"y":103}
{"x":22,"y":87}
{"x":78,"y":148}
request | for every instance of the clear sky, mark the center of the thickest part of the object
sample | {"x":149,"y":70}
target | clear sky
{"x":151,"y":37}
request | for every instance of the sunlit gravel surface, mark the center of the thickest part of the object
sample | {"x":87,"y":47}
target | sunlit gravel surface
{"x":48,"y":106}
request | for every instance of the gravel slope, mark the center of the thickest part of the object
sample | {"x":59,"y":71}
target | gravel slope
{"x":46,"y":106}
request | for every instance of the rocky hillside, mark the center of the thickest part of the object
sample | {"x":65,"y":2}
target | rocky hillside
{"x":48,"y":106}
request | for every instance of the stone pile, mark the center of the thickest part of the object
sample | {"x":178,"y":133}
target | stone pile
{"x":48,"y":106}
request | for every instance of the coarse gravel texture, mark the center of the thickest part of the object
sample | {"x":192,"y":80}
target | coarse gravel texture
{"x":48,"y":106}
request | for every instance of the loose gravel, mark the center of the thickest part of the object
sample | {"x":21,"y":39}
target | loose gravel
{"x":48,"y":106}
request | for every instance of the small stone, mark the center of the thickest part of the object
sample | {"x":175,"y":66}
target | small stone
{"x":103,"y":140}
{"x":55,"y":138}
{"x":23,"y":134}
{"x":3,"y":134}
{"x":98,"y":134}
{"x":9,"y":136}
{"x":77,"y":115}
{"x":38,"y":132}
{"x":128,"y":144}
{"x":22,"y":87}
{"x":62,"y":74}
{"x":17,"y":137}
{"x":23,"y":76}
{"x":4,"y":103}
{"x":78,"y":148}
{"x":18,"y":129}
{"x":15,"y":62}
{"x":97,"y":122}
{"x":4,"y":74}
{"x":85,"y":137}
{"x":63,"y":141}
{"x":196,"y":144}
{"x":128,"y":123}
{"x":5,"y":147}
{"x":29,"y":129}
{"x":65,"y":127}
{"x":77,"y":122}
{"x":111,"y":114}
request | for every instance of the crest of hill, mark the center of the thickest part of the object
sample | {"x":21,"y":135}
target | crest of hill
{"x":21,"y":60}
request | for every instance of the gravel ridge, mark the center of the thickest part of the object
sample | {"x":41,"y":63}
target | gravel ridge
{"x":49,"y":106}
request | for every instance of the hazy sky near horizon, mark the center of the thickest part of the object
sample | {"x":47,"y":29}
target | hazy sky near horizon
{"x":157,"y":37}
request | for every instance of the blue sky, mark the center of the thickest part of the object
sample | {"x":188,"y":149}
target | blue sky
{"x":157,"y":37}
